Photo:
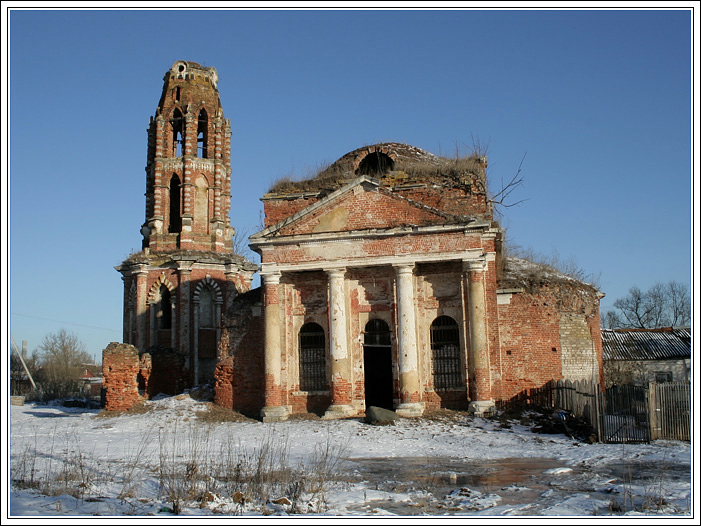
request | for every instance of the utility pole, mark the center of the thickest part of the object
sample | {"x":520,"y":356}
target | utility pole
{"x":21,"y":359}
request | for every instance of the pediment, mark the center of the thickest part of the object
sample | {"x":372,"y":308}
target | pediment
{"x":361,"y":205}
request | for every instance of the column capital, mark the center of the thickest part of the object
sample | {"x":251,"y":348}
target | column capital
{"x":271,"y":278}
{"x":339,"y":272}
{"x":474,"y":265}
{"x":403,"y":268}
{"x":140,"y":270}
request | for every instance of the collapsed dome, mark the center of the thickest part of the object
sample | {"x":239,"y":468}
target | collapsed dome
{"x":407,"y":162}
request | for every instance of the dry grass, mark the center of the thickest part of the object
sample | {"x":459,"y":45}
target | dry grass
{"x":138,"y":409}
{"x":442,"y":170}
{"x":215,"y":414}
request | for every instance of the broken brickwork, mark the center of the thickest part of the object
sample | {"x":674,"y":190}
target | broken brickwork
{"x":120,"y":368}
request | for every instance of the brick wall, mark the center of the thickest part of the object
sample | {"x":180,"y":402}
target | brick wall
{"x":240,"y":373}
{"x":120,"y":367}
{"x":548,"y":333}
{"x":529,"y":333}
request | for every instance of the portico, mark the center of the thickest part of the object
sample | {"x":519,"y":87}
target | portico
{"x":345,"y":324}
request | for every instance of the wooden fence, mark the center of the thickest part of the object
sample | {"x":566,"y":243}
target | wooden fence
{"x":670,"y":410}
{"x":620,"y":414}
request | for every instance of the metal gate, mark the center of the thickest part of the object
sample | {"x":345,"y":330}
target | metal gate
{"x":624,"y":414}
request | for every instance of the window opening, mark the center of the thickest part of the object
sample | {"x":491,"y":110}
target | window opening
{"x":376,"y":163}
{"x":663,"y":376}
{"x":202,"y":132}
{"x":177,"y":124}
{"x":175,"y":221}
{"x":312,"y":358}
{"x":445,"y":344}
{"x":163,"y":309}
{"x":206,"y":308}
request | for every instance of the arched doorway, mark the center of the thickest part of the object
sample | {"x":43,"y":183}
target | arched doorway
{"x":377,"y":361}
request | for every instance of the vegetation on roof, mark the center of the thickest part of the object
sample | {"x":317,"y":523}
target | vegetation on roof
{"x":459,"y":171}
{"x":533,"y":272}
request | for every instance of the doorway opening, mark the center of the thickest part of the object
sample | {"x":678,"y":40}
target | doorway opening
{"x":377,"y":361}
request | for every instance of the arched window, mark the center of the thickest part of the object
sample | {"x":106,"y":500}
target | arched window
{"x":163,"y":309}
{"x":206,"y":307}
{"x":178,"y":127}
{"x":312,"y":358}
{"x":202,"y":128}
{"x":174,"y":221}
{"x":376,"y":163}
{"x":445,"y":344}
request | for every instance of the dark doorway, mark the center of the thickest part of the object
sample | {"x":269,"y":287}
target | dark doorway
{"x":377,"y":356}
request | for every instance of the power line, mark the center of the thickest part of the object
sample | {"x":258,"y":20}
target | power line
{"x":64,"y":322}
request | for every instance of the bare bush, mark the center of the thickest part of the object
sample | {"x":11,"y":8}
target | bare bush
{"x":527,"y":268}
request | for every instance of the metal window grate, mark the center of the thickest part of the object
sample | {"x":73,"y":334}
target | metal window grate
{"x":445,"y":344}
{"x":312,"y":358}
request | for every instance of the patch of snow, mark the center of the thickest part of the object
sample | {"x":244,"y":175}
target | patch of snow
{"x":119,"y":459}
{"x":557,"y":471}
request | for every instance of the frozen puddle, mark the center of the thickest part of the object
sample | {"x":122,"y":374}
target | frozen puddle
{"x":442,"y":485}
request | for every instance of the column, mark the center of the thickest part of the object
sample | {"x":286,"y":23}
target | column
{"x":273,"y":411}
{"x":196,"y":340}
{"x":409,"y":385}
{"x":341,"y":386}
{"x":481,"y":401}
{"x":141,"y":308}
{"x":184,"y":273}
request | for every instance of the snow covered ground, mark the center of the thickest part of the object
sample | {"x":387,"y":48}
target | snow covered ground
{"x":180,"y":455}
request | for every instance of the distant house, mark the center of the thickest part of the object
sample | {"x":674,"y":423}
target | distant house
{"x":92,"y":379}
{"x":640,"y":356}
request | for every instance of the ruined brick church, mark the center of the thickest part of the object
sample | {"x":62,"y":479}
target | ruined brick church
{"x":383,"y":283}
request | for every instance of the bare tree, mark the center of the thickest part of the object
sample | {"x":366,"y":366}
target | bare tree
{"x":500,"y":197}
{"x":662,"y":305}
{"x":62,"y":357}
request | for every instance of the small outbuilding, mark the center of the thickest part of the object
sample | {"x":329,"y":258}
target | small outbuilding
{"x":639,"y":356}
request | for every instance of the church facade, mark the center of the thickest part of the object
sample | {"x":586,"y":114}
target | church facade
{"x":384,"y":282}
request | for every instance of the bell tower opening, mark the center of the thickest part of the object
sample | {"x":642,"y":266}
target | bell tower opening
{"x":175,"y":223}
{"x":177,"y":125}
{"x":202,"y":128}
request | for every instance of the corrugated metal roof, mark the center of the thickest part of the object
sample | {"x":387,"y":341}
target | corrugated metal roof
{"x":646,"y":344}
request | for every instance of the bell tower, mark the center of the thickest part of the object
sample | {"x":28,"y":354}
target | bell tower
{"x":188,"y":171}
{"x":178,"y":286}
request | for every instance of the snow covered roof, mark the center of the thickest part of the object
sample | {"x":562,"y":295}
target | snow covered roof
{"x":527,"y":274}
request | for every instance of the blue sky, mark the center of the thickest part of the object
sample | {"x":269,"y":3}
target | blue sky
{"x":599,"y":102}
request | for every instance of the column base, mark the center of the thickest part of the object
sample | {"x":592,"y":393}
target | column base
{"x":481,"y":407}
{"x":410,"y":409}
{"x":339,"y":411}
{"x":274,"y":414}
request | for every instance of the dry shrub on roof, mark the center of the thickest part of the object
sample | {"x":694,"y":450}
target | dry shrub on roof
{"x":442,"y":170}
{"x":530,"y":270}
{"x":327,"y":176}
{"x":442,"y":167}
